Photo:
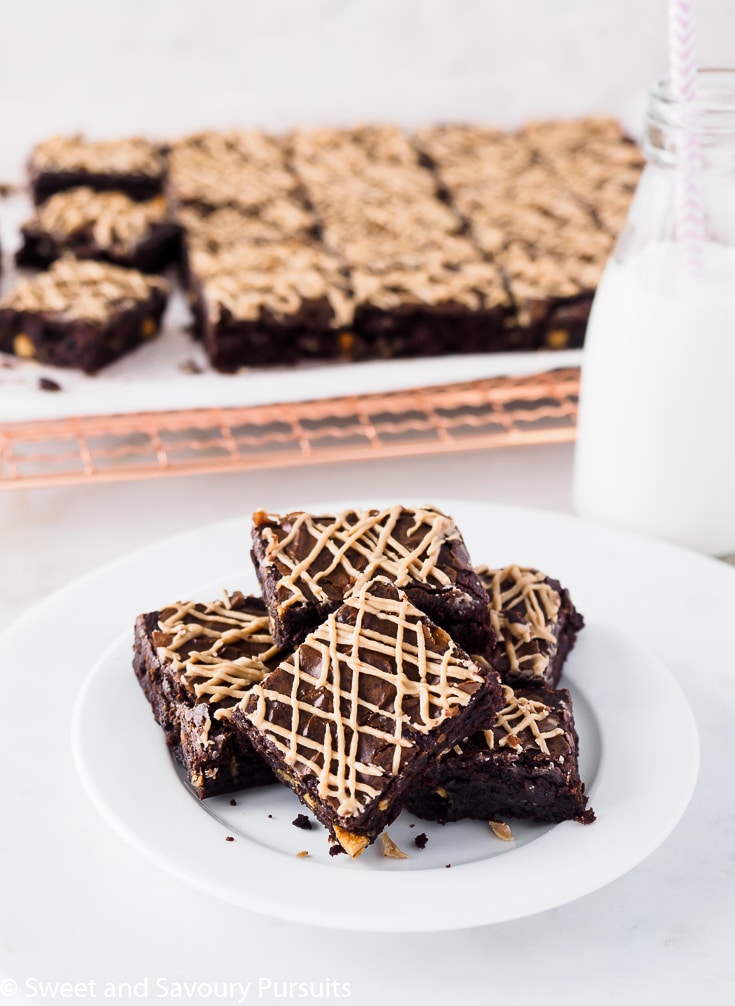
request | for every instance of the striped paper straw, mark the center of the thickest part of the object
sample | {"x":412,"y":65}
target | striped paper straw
{"x":683,"y":73}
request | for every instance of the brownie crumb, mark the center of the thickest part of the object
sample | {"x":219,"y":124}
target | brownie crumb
{"x":336,"y":850}
{"x":302,"y":821}
{"x":303,"y":854}
{"x":270,"y":816}
{"x":7,"y":189}
{"x":447,"y":866}
{"x":229,"y":838}
{"x":190,"y":367}
{"x":233,"y":803}
{"x":46,"y":384}
{"x":421,"y":840}
{"x":412,"y":826}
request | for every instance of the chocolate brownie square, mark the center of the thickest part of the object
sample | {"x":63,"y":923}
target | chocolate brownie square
{"x":194,"y":662}
{"x":524,"y":765}
{"x":271,"y":304}
{"x":306,"y":563}
{"x":242,"y":169}
{"x":81,"y":314}
{"x":352,"y":720}
{"x":133,"y":165}
{"x":534,"y":621}
{"x":107,"y":226}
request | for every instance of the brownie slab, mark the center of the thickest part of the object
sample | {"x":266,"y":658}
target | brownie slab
{"x":132,"y":165}
{"x":194,"y":662}
{"x":351,"y":721}
{"x":81,"y":314}
{"x":107,"y":226}
{"x":524,"y":765}
{"x":306,"y":563}
{"x":534,"y":621}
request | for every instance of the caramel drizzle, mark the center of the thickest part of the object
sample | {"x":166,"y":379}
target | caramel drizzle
{"x":521,"y":715}
{"x":213,"y":677}
{"x":440,"y":687}
{"x":513,"y":586}
{"x":83,"y":289}
{"x":132,"y":155}
{"x":112,"y":218}
{"x":369,"y":538}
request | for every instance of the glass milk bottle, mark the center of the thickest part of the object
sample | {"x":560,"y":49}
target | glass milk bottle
{"x":656,"y":436}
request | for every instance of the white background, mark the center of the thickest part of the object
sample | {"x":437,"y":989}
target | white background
{"x":116,"y":66}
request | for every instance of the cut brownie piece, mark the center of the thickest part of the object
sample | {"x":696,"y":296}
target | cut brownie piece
{"x":352,"y":720}
{"x":257,"y":305}
{"x":242,"y":169}
{"x":133,"y":165}
{"x":306,"y":563}
{"x":194,"y":662}
{"x":107,"y":226}
{"x":81,"y":314}
{"x":534,"y":622}
{"x":525,"y":765}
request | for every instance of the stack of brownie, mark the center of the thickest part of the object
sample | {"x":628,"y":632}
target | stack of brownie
{"x":103,"y":225}
{"x":378,"y":671}
{"x":344,"y":244}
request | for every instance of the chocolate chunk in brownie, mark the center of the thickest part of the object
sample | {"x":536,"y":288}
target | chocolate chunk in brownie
{"x":306,"y":563}
{"x":524,"y":765}
{"x":534,"y":622}
{"x":133,"y":165}
{"x":195,"y":661}
{"x":351,"y":721}
{"x":107,"y":226}
{"x":81,"y":314}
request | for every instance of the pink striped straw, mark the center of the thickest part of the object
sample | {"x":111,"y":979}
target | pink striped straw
{"x":683,"y":73}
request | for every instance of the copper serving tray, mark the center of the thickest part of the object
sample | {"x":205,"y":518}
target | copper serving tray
{"x":495,"y":412}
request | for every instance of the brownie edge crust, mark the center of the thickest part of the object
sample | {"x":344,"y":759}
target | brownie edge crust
{"x":353,"y":719}
{"x":194,"y":662}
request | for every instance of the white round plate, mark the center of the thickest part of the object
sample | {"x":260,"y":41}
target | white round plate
{"x":639,"y":756}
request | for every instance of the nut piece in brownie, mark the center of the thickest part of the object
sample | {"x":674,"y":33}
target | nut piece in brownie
{"x":352,"y":720}
{"x":525,"y":765}
{"x":81,"y":314}
{"x":108,"y":226}
{"x":132,"y":165}
{"x":534,"y":622}
{"x":306,"y":563}
{"x":194,"y":662}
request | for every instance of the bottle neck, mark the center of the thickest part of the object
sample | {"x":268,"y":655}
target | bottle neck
{"x":709,"y":118}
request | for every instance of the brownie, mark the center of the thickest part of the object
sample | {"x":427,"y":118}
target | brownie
{"x":535,"y":624}
{"x":133,"y":165}
{"x":260,"y":305}
{"x":241,"y":169}
{"x":81,"y":314}
{"x":421,"y":288}
{"x":306,"y":563}
{"x":354,"y":717}
{"x":525,"y":213}
{"x":107,"y":226}
{"x":195,"y":662}
{"x":524,"y":765}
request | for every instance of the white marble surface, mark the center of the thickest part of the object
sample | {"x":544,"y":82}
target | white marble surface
{"x":163,"y":66}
